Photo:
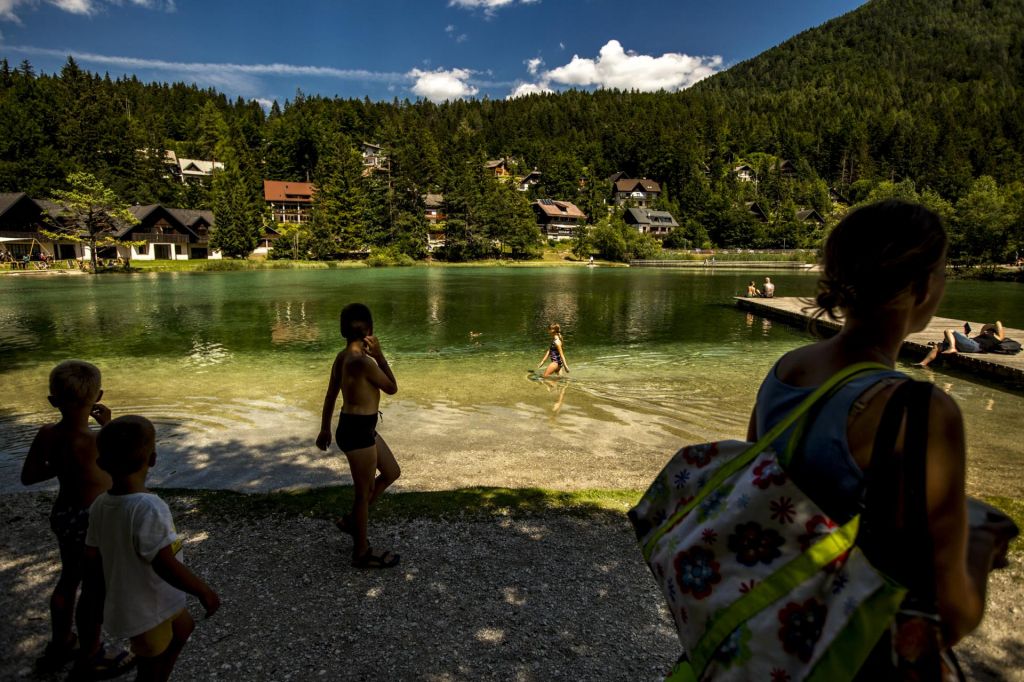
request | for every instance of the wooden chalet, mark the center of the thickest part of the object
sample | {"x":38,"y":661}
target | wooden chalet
{"x":809,"y":216}
{"x":558,"y":219}
{"x":22,"y":220}
{"x":787,"y":169}
{"x":166,"y":234}
{"x":434,"y":206}
{"x":524,"y":183}
{"x":759,"y":213}
{"x":290,"y":202}
{"x":658,"y":224}
{"x":838,"y":197}
{"x":500,"y":168}
{"x":638,"y":192}
{"x":374,"y":159}
{"x":744,"y":173}
{"x":197,"y":170}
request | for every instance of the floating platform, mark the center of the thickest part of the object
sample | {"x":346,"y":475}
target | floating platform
{"x":990,"y":365}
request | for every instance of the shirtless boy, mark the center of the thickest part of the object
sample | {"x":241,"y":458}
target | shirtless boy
{"x":67,"y":450}
{"x":360,"y":373}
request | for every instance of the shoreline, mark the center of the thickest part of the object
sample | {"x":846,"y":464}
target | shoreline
{"x":997,"y":273}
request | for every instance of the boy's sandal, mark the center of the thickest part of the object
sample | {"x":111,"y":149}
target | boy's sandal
{"x":106,"y":664}
{"x":56,"y":656}
{"x":342,"y":524}
{"x":368,"y":559}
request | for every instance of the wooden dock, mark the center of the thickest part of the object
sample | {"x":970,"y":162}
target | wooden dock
{"x":915,"y":347}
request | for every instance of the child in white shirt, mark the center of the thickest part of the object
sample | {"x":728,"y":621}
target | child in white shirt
{"x":133,"y":551}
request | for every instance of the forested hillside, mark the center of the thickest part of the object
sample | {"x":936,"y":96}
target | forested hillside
{"x":915,"y":98}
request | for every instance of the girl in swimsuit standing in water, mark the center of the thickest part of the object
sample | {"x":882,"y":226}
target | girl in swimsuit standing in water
{"x":555,"y":357}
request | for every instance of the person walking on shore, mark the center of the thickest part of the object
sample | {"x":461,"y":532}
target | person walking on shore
{"x":360,"y":373}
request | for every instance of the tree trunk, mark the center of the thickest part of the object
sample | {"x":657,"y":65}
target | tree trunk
{"x":92,"y":253}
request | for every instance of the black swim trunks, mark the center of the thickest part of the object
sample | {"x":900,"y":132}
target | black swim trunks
{"x":356,"y":431}
{"x":70,"y":524}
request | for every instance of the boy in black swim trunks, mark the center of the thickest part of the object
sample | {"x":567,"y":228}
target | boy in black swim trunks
{"x":360,"y":373}
{"x":67,"y":450}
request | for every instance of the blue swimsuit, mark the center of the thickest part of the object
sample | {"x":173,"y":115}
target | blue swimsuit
{"x":555,"y":355}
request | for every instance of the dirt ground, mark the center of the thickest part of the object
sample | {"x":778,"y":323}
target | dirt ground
{"x":547,"y":598}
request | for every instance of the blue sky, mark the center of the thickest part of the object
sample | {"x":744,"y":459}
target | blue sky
{"x":435,"y":49}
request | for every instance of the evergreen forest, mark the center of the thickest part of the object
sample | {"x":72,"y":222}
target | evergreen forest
{"x":920,"y":99}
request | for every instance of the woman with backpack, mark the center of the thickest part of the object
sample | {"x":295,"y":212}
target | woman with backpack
{"x":884,"y":274}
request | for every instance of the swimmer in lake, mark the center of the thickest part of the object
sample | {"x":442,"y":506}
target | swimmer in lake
{"x":555,"y":357}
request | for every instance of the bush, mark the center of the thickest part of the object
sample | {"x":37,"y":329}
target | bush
{"x":389,"y":257}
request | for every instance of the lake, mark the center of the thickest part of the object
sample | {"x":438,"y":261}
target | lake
{"x":232,"y":367}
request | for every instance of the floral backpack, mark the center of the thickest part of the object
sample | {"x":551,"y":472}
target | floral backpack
{"x":761,"y":583}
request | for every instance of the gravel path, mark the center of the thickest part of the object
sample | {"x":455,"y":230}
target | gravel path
{"x":550,"y":598}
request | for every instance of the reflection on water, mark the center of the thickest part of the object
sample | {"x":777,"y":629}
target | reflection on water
{"x":232,"y":368}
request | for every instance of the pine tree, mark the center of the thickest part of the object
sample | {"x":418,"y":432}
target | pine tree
{"x":90,"y":213}
{"x":340,"y":204}
{"x":239,"y":210}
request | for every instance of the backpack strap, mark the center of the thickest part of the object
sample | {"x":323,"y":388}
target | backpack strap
{"x":806,"y":416}
{"x":895,"y":533}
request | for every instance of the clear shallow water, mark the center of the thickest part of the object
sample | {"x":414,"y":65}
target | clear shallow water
{"x":232,"y":368}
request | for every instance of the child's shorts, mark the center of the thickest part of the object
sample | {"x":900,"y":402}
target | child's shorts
{"x":70,"y":524}
{"x":154,"y":641}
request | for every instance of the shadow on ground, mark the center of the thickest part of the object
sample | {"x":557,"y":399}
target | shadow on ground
{"x":495,"y":584}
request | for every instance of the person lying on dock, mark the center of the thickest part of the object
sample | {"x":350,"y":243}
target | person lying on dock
{"x":958,"y":342}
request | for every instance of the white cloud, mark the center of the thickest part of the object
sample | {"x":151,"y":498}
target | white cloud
{"x":489,"y":7}
{"x":451,"y":29}
{"x":235,"y":78}
{"x":441,"y":85}
{"x":525,"y":89}
{"x":7,"y":8}
{"x":76,"y":6}
{"x":616,"y":68}
{"x":561,"y":46}
{"x":264,"y":102}
{"x":533,"y":65}
{"x":223,"y":67}
{"x":80,"y":7}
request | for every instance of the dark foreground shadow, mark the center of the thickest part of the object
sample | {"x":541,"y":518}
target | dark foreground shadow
{"x":495,"y":584}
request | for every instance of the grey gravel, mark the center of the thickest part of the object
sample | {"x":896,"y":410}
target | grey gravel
{"x":549,"y":598}
{"x":535,"y":599}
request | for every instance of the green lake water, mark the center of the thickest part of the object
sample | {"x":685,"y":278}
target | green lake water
{"x":232,"y":368}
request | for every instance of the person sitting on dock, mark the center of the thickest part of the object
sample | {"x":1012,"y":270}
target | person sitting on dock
{"x":958,"y":342}
{"x":769,"y":289}
{"x":752,"y":290}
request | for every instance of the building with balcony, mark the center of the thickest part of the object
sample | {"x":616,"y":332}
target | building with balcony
{"x":558,"y":219}
{"x":640,"y":193}
{"x":290,"y":202}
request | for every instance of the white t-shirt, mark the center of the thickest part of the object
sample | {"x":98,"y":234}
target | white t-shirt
{"x":129,"y":531}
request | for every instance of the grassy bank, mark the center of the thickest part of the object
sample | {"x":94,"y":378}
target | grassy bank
{"x":463,"y":503}
{"x":550,"y":258}
{"x":226,"y":265}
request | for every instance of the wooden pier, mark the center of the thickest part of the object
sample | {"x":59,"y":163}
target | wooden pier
{"x":915,"y":347}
